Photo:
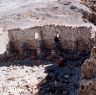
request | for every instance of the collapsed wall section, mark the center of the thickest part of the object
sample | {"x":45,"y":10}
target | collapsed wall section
{"x":77,"y":38}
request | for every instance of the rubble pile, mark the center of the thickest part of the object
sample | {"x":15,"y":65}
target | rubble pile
{"x":88,"y":81}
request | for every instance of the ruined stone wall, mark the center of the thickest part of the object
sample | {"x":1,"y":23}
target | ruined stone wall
{"x":22,"y":36}
{"x":71,"y":38}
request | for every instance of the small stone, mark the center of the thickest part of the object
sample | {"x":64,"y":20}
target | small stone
{"x":66,"y":76}
{"x":26,"y":71}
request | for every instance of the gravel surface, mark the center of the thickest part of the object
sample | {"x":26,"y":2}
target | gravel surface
{"x":20,"y":80}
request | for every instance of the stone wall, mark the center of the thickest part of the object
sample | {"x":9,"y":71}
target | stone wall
{"x":71,"y":38}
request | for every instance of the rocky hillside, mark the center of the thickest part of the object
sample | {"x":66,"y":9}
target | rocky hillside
{"x":91,"y":4}
{"x":28,"y":13}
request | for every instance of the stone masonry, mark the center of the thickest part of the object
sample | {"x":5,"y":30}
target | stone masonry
{"x":72,"y":38}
